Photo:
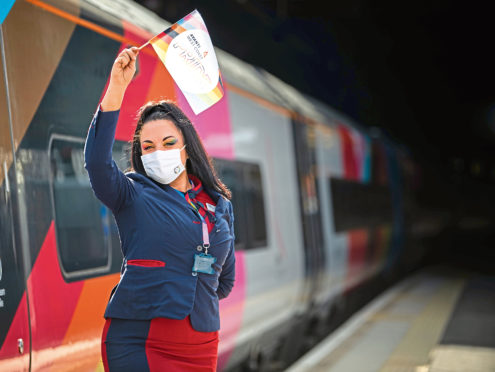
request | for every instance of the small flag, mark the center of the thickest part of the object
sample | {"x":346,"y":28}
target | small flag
{"x":186,"y":51}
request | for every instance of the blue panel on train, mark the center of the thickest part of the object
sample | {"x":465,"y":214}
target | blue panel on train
{"x":5,"y":9}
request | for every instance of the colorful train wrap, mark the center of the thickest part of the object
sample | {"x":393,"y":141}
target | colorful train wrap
{"x":321,"y":205}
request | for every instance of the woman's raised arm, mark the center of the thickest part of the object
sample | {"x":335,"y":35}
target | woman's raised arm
{"x":110,"y":185}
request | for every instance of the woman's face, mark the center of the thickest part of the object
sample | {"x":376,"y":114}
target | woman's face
{"x":161,"y":135}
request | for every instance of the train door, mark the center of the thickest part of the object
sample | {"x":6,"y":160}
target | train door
{"x":329,"y":159}
{"x":307,"y":172}
{"x":14,"y":321}
{"x":275,"y":262}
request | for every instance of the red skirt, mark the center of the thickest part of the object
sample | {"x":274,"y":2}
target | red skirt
{"x":160,"y":344}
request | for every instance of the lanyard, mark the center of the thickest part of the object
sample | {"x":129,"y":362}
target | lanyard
{"x":206,"y":237}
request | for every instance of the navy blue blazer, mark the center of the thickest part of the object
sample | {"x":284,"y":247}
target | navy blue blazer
{"x":156,"y":223}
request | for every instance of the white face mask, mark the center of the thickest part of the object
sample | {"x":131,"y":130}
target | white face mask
{"x":163,"y":166}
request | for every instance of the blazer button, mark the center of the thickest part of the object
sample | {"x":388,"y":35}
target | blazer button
{"x":199,"y":248}
{"x":194,"y":273}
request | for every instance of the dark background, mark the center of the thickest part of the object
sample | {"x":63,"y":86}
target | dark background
{"x":421,"y":72}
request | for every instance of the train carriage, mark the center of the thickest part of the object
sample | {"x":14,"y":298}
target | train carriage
{"x":319,"y":202}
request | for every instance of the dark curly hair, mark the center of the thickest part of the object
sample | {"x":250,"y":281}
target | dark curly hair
{"x":198,"y":164}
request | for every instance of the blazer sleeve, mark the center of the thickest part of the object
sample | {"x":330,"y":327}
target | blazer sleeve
{"x":227,"y":276}
{"x":109,"y":184}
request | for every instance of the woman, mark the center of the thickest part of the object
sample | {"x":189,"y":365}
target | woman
{"x":175,"y":224}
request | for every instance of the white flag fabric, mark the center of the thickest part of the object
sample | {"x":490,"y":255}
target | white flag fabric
{"x":186,"y":50}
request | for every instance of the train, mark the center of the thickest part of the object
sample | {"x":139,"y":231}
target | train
{"x":323,"y":205}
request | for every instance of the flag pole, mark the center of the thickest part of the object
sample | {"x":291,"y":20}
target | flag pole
{"x":142,"y":46}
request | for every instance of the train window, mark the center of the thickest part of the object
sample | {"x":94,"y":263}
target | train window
{"x":229,"y":174}
{"x":244,"y":181}
{"x":84,"y":226}
{"x":253,"y":195}
{"x":357,"y":205}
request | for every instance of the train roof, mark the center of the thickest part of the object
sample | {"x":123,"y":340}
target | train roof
{"x":129,"y":11}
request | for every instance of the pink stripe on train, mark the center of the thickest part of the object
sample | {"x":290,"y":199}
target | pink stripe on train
{"x":213,"y":126}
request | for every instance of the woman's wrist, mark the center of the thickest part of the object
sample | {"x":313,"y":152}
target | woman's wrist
{"x":113,"y":98}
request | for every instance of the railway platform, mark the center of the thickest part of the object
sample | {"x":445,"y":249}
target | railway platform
{"x":438,"y":320}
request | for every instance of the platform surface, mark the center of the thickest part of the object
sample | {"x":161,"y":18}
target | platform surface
{"x":438,"y":320}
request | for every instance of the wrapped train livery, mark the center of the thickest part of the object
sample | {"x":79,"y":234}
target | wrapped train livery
{"x":322,"y":206}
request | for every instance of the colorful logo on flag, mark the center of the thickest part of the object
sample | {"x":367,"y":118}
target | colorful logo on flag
{"x":186,"y":51}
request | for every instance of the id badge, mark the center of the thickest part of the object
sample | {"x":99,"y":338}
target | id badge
{"x":203,"y":263}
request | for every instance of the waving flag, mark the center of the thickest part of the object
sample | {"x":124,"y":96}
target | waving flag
{"x":186,"y":51}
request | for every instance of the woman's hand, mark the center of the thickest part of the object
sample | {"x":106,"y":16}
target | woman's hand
{"x":124,"y":67}
{"x":123,"y":70}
